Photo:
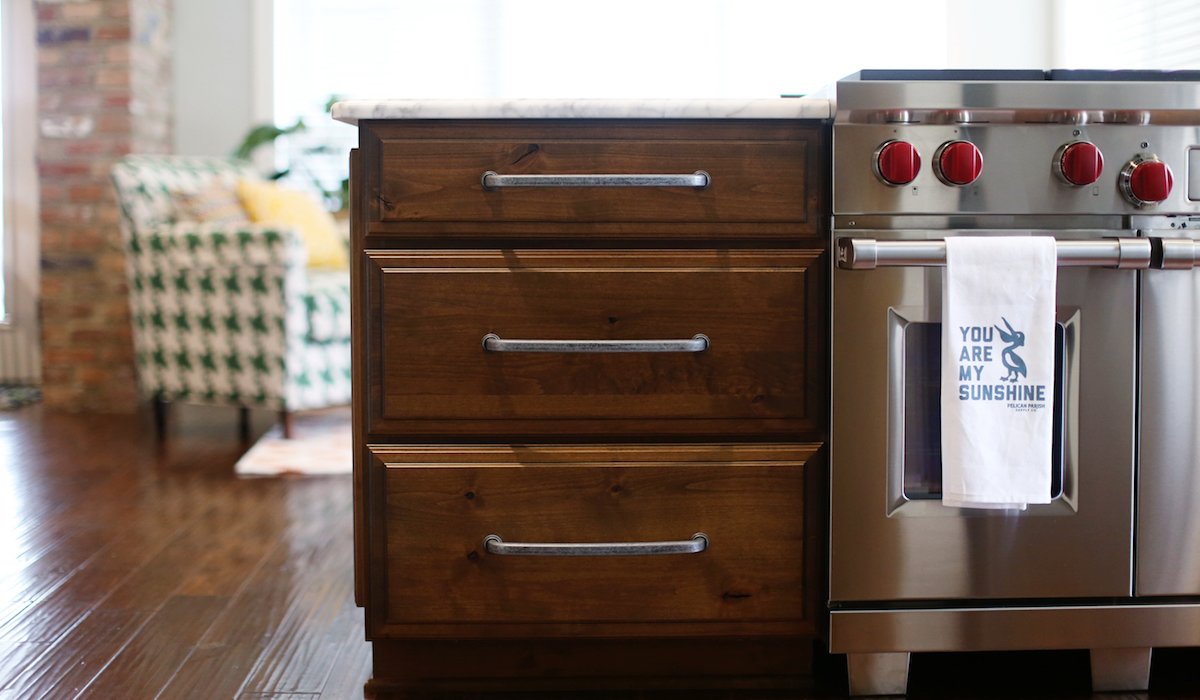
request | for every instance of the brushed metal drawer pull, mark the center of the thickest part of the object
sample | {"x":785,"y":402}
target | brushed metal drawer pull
{"x":492,"y":544}
{"x":494,"y":343}
{"x":492,"y":180}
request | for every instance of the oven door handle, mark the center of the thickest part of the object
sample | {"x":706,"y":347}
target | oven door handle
{"x":868,"y":253}
{"x":1175,"y":253}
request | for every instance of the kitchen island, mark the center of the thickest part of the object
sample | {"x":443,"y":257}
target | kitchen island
{"x":590,"y":391}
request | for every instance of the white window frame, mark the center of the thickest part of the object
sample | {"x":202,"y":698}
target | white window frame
{"x":22,"y":230}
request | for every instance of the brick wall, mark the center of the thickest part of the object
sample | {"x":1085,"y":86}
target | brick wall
{"x":104,"y":91}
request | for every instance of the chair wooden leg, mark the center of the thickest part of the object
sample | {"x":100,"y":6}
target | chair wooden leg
{"x":160,"y":419}
{"x":244,"y":423}
{"x":286,"y":417}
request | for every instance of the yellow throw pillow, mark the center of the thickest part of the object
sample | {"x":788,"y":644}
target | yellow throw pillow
{"x":269,"y":203}
{"x":215,"y":204}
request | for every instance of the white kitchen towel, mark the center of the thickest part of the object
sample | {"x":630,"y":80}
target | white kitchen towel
{"x":998,"y":322}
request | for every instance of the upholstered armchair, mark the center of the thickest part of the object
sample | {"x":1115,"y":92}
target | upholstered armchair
{"x":226,"y":314}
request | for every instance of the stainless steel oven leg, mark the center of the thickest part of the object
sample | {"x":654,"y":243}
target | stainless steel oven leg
{"x":878,"y":674}
{"x":1120,"y":669}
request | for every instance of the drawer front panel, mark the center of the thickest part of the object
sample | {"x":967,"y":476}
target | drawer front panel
{"x":438,"y":515}
{"x":432,"y":310}
{"x":431,"y":180}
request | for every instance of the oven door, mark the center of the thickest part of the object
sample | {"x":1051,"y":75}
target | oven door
{"x":1169,"y":462}
{"x":891,"y":538}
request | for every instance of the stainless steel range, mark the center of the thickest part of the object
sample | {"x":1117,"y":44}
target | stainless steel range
{"x":1109,"y":165}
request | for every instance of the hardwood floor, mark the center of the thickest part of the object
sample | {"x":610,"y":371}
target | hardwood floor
{"x":132,"y":570}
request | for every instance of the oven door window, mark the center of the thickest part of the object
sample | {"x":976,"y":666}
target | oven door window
{"x":922,"y":416}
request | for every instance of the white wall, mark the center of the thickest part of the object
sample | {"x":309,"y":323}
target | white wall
{"x":222,"y":67}
{"x":1009,"y":34}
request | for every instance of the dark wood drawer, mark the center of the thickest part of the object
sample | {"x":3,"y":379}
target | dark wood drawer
{"x":763,"y":177}
{"x":430,"y":374}
{"x":442,"y":501}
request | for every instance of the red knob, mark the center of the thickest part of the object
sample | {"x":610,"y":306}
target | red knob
{"x":897,"y":162}
{"x":1150,"y":181}
{"x":1080,"y":163}
{"x":958,"y":163}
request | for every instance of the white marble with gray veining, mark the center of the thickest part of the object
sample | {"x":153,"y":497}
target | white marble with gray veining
{"x":351,"y":111}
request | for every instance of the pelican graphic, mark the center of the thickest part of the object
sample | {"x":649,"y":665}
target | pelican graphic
{"x":1012,"y":361}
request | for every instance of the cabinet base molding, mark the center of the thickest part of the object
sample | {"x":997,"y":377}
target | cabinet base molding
{"x":412,"y":666}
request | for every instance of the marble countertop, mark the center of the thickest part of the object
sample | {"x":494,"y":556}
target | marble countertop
{"x":351,"y":111}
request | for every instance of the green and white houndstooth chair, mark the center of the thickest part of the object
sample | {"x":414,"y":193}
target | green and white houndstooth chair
{"x":226,"y":314}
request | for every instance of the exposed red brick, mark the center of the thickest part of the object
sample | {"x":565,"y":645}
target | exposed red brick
{"x":108,"y":213}
{"x":63,"y":213}
{"x":108,"y":123}
{"x":81,"y":10}
{"x":53,"y":192}
{"x":71,"y":355}
{"x":112,"y":77}
{"x":88,"y":193}
{"x":93,"y":376}
{"x":83,"y":56}
{"x":117,"y":100}
{"x":85,"y":147}
{"x":80,"y":102}
{"x":57,"y":374}
{"x":63,"y":76}
{"x":58,"y":396}
{"x":113,"y":33}
{"x":90,"y":67}
{"x":117,"y":54}
{"x":91,"y":336}
{"x":117,"y":8}
{"x":63,"y":35}
{"x":81,"y":311}
{"x":55,"y":170}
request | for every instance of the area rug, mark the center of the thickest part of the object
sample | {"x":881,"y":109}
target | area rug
{"x":320,"y":444}
{"x":18,"y":396}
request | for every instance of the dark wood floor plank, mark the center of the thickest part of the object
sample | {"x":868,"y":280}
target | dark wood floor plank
{"x":43,"y":623}
{"x":309,"y":638}
{"x":351,"y":669}
{"x":225,"y":657}
{"x":15,"y":657}
{"x":41,"y":576}
{"x":248,"y":536}
{"x":151,"y":657}
{"x":69,"y":664}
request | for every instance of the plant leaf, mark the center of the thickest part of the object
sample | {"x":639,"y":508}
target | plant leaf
{"x":263,"y":134}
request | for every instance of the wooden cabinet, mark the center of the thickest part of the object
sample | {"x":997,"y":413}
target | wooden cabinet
{"x":459,"y":438}
{"x":435,"y":308}
{"x":443,"y":501}
{"x":439,"y":180}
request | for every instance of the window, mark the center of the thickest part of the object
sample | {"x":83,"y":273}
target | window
{"x":554,"y":49}
{"x":1128,"y":34}
{"x":20,"y":357}
{"x":5,"y":236}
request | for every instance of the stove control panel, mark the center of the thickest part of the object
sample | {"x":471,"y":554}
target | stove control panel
{"x":1031,"y":168}
{"x":1079,"y":163}
{"x":897,"y":163}
{"x":958,"y":163}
